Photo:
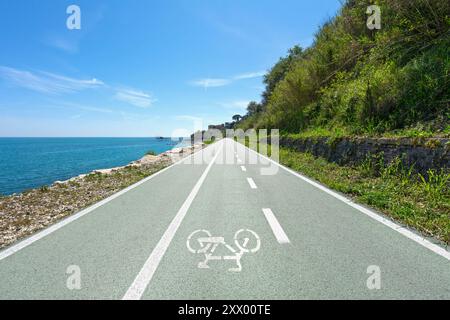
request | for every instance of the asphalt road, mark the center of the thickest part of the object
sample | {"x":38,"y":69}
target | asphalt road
{"x":206,"y":228}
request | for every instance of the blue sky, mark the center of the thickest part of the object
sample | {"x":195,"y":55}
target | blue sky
{"x":141,"y":67}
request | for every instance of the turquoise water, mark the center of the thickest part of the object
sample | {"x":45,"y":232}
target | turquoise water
{"x":27,"y":163}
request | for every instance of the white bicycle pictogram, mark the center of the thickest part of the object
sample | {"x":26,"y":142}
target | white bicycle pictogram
{"x":208,"y":245}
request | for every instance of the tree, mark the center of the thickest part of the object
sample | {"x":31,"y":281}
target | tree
{"x":254,"y":108}
{"x":237,"y":117}
{"x":279,"y":71}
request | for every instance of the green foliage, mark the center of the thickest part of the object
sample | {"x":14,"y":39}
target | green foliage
{"x":94,"y":177}
{"x":279,"y":71}
{"x":151,"y":153}
{"x":435,"y":184}
{"x":253,"y":108}
{"x":44,"y":189}
{"x":364,"y":81}
{"x":237,"y":117}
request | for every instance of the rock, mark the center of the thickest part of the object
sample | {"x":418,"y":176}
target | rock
{"x":107,"y":171}
{"x":424,"y":155}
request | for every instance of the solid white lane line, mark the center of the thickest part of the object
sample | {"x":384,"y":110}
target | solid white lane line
{"x":144,"y":277}
{"x":41,"y":234}
{"x":394,"y":226}
{"x":243,"y":168}
{"x":277,"y":230}
{"x":252,"y":183}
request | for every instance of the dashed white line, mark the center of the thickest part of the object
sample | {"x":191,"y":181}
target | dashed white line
{"x":277,"y":230}
{"x":243,"y":168}
{"x":252,"y":183}
{"x":144,"y":277}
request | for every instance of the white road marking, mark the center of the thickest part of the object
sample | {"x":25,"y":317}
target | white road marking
{"x":252,"y":183}
{"x":28,"y":241}
{"x":209,"y":244}
{"x":277,"y":230}
{"x":243,"y":168}
{"x":394,"y":226}
{"x":144,"y":277}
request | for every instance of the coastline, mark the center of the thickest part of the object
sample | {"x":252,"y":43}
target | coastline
{"x":25,"y":213}
{"x":169,"y":155}
{"x":31,"y":162}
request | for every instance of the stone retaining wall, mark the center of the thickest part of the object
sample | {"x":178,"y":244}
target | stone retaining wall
{"x":424,"y":154}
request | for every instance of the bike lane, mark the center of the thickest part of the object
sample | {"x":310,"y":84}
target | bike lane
{"x":224,"y":205}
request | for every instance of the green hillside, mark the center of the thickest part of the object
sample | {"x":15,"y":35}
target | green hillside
{"x":356,"y":81}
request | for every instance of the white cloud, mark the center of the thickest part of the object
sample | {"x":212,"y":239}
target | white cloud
{"x":250,"y":75}
{"x":188,"y":118}
{"x":135,"y":97}
{"x":221,"y":82}
{"x":238,"y":104}
{"x":46,"y":82}
{"x":74,"y":84}
{"x":210,"y":83}
{"x":55,"y":84}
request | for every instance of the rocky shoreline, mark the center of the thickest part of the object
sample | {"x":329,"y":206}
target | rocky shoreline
{"x":28,"y":212}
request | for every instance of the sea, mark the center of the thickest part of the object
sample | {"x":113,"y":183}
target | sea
{"x":28,"y":163}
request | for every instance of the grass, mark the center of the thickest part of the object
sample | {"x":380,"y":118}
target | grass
{"x":341,"y":132}
{"x":320,"y":133}
{"x":151,"y":153}
{"x":210,"y":141}
{"x":44,"y":188}
{"x":409,"y":198}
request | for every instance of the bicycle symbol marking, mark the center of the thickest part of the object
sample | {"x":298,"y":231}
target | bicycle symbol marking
{"x":208,"y":245}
